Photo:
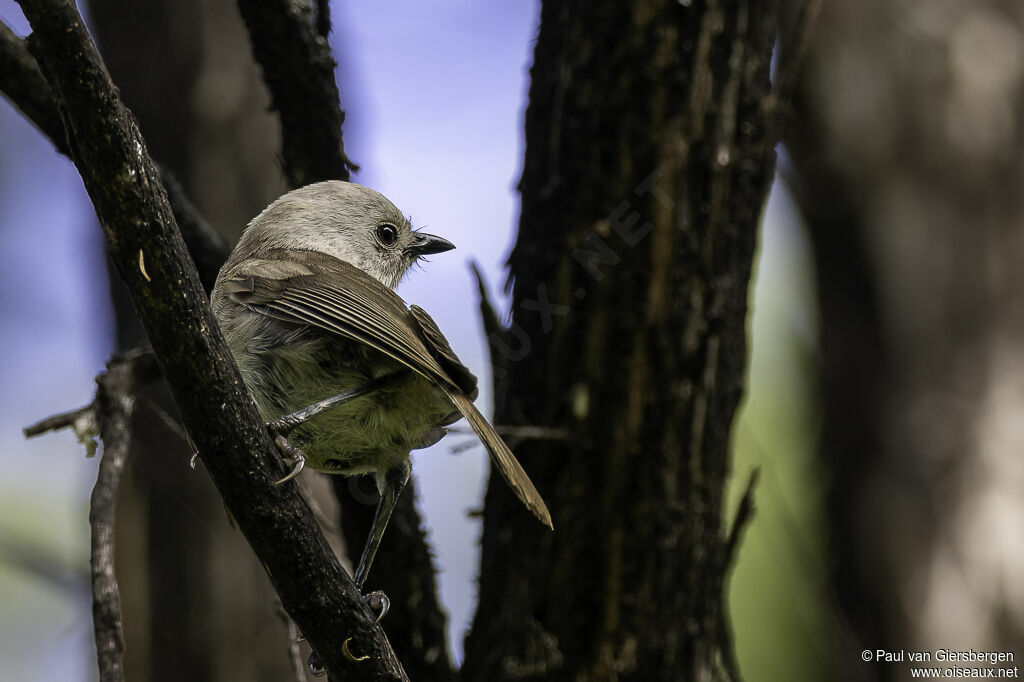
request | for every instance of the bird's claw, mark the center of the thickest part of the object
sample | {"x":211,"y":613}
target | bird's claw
{"x":292,"y":453}
{"x":378,"y":601}
{"x":316,"y":668}
{"x":347,"y":652}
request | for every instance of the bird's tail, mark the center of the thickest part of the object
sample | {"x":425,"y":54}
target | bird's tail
{"x":503,"y":458}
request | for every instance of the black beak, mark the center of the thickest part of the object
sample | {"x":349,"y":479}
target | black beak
{"x":427,"y":244}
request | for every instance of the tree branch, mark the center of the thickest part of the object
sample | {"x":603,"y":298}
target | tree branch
{"x":299,"y":71}
{"x":206,"y":246}
{"x":640,"y":207}
{"x":64,"y":420}
{"x":130,"y":201}
{"x":23,"y":84}
{"x":115,"y":403}
{"x":494,"y":331}
{"x":744,"y":514}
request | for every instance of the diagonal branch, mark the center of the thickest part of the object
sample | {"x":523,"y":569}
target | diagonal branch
{"x":130,"y":201}
{"x":23,"y":84}
{"x":299,"y":71}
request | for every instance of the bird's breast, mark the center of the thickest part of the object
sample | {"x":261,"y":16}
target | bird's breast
{"x":368,"y":434}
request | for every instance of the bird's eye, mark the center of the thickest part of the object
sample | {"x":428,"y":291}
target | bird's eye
{"x":387,"y":234}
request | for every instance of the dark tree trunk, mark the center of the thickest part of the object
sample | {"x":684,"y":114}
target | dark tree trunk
{"x":649,"y":153}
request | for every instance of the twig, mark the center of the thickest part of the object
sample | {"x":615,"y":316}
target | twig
{"x":110,"y":413}
{"x":494,"y":330}
{"x":744,"y":513}
{"x":115,"y":404}
{"x":57,"y":422}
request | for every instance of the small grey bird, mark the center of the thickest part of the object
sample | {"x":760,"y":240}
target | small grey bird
{"x":307,"y":305}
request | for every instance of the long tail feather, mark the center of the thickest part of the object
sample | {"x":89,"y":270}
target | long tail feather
{"x":503,"y":459}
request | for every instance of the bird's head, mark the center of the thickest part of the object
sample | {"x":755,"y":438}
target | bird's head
{"x":345,"y":220}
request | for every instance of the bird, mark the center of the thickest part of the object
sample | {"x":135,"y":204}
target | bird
{"x":349,"y":378}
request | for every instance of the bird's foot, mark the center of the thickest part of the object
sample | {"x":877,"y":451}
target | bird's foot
{"x":290,"y":453}
{"x":378,"y":601}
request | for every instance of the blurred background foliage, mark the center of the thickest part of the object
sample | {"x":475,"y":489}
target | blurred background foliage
{"x":886,"y":378}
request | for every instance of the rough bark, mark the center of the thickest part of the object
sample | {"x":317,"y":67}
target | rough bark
{"x":649,"y":153}
{"x":292,"y":48}
{"x":150,"y":256}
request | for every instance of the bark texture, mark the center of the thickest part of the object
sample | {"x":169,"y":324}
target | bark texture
{"x":649,"y":153}
{"x":291,"y":46}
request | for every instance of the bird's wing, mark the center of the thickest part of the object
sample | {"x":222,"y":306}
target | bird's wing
{"x":443,"y":353}
{"x":312,"y":289}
